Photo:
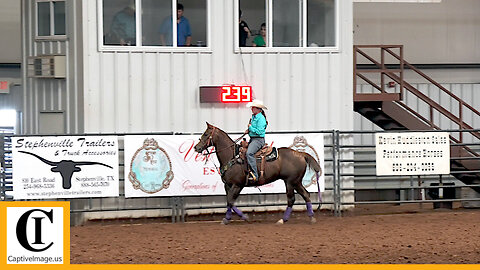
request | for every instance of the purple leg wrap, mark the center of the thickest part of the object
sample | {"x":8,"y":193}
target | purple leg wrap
{"x":229,"y":213}
{"x":238,"y":211}
{"x":309,"y":209}
{"x":287,"y":213}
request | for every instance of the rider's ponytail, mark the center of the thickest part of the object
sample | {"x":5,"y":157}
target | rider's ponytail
{"x":264,"y":115}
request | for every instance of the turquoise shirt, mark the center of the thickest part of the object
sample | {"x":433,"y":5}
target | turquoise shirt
{"x":258,"y":126}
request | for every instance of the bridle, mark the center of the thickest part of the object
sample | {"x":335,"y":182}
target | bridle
{"x":210,"y":139}
{"x":210,"y":143}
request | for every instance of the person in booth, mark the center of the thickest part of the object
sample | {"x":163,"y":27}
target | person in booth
{"x":184,"y":32}
{"x":260,"y":40}
{"x":123,"y":26}
{"x":256,"y":131}
{"x":244,"y":31}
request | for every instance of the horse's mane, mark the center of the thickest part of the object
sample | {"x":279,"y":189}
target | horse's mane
{"x":224,"y":133}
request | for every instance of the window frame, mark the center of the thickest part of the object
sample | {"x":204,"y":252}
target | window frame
{"x":52,"y":35}
{"x":269,"y":22}
{"x":138,"y":32}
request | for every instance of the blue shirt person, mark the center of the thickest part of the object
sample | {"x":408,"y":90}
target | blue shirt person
{"x":123,"y":26}
{"x":184,"y":33}
{"x":256,"y":131}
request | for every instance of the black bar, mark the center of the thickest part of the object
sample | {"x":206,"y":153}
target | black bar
{"x":423,"y":66}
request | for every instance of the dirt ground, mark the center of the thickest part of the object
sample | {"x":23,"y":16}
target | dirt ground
{"x":394,"y":234}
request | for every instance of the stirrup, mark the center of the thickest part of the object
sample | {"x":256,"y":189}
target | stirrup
{"x":251,"y":176}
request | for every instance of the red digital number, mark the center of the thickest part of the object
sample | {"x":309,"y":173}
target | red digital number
{"x":246,"y":93}
{"x":3,"y":85}
{"x":236,"y":94}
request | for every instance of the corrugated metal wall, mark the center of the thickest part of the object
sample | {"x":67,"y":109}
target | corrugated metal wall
{"x":158,"y":91}
{"x":445,"y":32}
{"x":53,"y":95}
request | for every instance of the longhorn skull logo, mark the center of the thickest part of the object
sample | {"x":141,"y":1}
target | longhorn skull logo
{"x":66,"y":168}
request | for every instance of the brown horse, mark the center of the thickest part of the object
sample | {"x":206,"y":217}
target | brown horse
{"x":290,"y":166}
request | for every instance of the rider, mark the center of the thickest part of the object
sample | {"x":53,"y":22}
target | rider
{"x":256,"y":131}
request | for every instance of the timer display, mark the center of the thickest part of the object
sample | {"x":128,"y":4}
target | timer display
{"x":225,"y":94}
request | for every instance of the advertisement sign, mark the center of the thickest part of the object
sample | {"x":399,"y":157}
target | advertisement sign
{"x":412,"y":153}
{"x":65,"y":167}
{"x":166,"y":165}
{"x":34,"y":233}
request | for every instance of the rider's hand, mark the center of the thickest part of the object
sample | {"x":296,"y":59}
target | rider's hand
{"x":246,"y":131}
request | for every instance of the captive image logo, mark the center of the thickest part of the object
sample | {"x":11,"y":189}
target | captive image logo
{"x":35,"y":235}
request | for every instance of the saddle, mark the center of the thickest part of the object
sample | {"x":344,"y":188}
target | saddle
{"x":265,"y":154}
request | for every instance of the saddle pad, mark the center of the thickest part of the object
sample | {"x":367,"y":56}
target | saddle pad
{"x":272,"y":156}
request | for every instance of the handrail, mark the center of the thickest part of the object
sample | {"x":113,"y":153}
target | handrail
{"x":404,"y":85}
{"x":382,"y":68}
{"x":437,"y":85}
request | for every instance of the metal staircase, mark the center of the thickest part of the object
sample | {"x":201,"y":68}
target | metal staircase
{"x":387,"y":109}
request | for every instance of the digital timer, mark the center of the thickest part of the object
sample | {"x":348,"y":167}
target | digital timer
{"x":225,"y":94}
{"x":4,"y":87}
{"x":236,"y":94}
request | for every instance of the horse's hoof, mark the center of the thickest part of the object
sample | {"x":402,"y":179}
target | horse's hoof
{"x":313,"y":220}
{"x":225,"y":221}
{"x":246,"y":218}
{"x":280,"y":222}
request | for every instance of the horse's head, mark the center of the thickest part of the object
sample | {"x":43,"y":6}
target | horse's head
{"x":206,"y":140}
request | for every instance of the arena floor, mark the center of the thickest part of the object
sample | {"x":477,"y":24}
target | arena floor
{"x":367,"y":235}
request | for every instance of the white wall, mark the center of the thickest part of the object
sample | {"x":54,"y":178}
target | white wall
{"x":158,"y":91}
{"x":445,"y":32}
{"x":10,"y":32}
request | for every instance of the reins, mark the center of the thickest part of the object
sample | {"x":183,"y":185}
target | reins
{"x":210,"y":143}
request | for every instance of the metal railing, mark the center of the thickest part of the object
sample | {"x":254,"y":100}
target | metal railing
{"x":418,"y":186}
{"x":349,"y":169}
{"x":177,"y":207}
{"x":5,"y":163}
{"x":433,"y":106}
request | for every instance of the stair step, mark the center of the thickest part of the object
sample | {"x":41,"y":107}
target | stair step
{"x":381,"y":117}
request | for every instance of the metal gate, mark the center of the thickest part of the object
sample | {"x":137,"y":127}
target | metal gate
{"x":349,"y":172}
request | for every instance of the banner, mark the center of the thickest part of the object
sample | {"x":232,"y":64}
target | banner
{"x":168,"y":165}
{"x":412,"y":153}
{"x":65,"y":167}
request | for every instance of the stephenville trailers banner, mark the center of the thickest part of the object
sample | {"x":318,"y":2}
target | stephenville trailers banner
{"x":168,"y":165}
{"x":412,"y":153}
{"x":65,"y":167}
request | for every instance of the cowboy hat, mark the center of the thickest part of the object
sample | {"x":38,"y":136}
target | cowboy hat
{"x":256,"y":103}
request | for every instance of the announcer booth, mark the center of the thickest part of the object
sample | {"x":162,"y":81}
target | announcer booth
{"x":123,"y":66}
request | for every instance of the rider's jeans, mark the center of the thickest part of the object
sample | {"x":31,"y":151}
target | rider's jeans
{"x":254,"y":145}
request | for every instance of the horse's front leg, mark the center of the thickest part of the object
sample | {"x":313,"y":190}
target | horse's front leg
{"x":228,"y":215}
{"x":233,"y":192}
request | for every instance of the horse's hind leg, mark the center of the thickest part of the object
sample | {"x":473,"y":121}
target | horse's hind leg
{"x":306,"y":196}
{"x":290,"y":202}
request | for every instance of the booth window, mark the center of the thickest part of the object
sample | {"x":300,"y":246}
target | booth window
{"x":287,"y":23}
{"x":154,"y":23}
{"x":50,"y":18}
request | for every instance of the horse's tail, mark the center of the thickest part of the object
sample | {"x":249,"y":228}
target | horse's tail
{"x":312,"y":163}
{"x":318,"y":171}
